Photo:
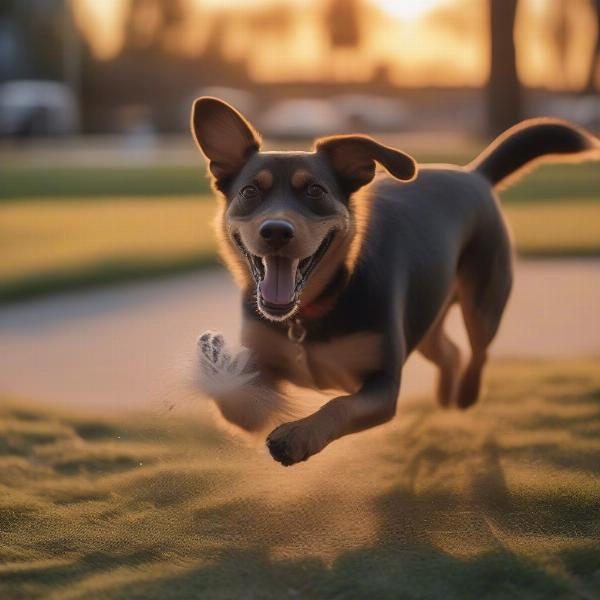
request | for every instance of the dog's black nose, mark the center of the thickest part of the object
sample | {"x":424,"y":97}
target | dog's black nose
{"x":276,"y":233}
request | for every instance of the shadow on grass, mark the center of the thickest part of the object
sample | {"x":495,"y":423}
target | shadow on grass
{"x":405,"y":560}
{"x":440,"y":504}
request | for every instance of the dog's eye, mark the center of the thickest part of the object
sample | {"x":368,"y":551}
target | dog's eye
{"x":315,"y":191}
{"x":247,"y":200}
{"x":249,"y":192}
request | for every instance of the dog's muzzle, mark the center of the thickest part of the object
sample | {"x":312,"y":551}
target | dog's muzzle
{"x":280,"y":280}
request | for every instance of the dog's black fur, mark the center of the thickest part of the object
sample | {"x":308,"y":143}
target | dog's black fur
{"x":427,"y":241}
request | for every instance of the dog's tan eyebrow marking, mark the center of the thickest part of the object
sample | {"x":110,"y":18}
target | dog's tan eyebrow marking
{"x":264,"y":179}
{"x":300,"y":178}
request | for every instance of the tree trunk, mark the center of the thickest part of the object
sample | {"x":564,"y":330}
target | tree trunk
{"x":590,"y":86}
{"x":504,"y":89}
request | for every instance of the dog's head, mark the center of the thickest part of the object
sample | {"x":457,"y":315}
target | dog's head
{"x":287,"y":215}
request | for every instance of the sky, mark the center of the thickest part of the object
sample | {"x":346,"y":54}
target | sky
{"x":423,"y":42}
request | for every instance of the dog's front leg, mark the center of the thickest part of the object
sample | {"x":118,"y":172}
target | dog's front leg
{"x":245,"y":395}
{"x":373,"y":404}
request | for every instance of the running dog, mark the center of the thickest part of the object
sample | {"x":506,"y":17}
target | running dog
{"x":344,"y":271}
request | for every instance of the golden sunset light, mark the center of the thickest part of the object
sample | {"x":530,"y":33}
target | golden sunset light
{"x":102,"y":23}
{"x":358,"y":239}
{"x":408,"y":10}
{"x":452,"y":49}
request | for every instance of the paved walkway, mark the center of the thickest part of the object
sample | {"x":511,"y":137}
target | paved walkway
{"x":130,"y":347}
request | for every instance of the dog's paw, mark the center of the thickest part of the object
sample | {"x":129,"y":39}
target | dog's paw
{"x":295,"y":442}
{"x":220,"y":369}
{"x":212,"y":352}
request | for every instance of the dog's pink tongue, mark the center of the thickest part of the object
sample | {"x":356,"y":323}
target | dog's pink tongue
{"x":279,"y":282}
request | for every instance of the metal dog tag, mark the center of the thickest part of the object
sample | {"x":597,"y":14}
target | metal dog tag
{"x":296,"y":331}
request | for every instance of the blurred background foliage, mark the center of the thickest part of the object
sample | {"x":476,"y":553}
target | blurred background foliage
{"x":95,"y":98}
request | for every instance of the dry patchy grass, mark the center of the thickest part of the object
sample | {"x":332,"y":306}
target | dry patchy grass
{"x":61,"y":244}
{"x":45,"y":236}
{"x":499,"y":502}
{"x":558,"y":229}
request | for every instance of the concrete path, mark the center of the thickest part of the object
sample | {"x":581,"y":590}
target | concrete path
{"x":130,"y":347}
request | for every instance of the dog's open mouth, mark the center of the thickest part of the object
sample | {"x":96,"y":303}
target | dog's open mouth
{"x":280,"y":279}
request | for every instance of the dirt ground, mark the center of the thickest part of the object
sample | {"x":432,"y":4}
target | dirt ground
{"x":131,"y":347}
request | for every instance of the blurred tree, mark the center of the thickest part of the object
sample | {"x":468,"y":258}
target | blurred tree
{"x":153,"y":76}
{"x":13,"y":46}
{"x":590,"y":86}
{"x":276,"y":19}
{"x":141,"y":26}
{"x":150,"y":22}
{"x":36,"y":28}
{"x":342,"y":23}
{"x":504,"y":88}
{"x":560,"y":33}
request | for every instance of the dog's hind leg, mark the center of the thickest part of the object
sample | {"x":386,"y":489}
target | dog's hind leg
{"x":438,"y":348}
{"x":483,"y":290}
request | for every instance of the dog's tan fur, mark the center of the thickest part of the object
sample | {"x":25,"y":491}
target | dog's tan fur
{"x":339,"y":364}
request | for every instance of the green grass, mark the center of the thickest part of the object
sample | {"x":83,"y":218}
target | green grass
{"x":499,"y":502}
{"x":549,"y":182}
{"x":77,"y":183}
{"x":557,"y":183}
{"x":60,"y":245}
{"x":545,"y":229}
{"x":64,"y":245}
{"x":64,"y":228}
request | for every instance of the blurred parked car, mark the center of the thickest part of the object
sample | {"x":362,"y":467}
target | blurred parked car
{"x":32,"y":108}
{"x":345,"y":113}
{"x":365,"y":112}
{"x":301,"y":118}
{"x":584,"y":110}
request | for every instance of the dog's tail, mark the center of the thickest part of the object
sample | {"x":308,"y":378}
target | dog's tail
{"x":529,"y":142}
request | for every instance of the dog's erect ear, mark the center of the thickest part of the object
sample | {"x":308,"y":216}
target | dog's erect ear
{"x":223,"y":135}
{"x":353,"y":157}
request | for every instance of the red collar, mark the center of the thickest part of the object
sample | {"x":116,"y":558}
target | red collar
{"x":327,"y":300}
{"x":318,"y":308}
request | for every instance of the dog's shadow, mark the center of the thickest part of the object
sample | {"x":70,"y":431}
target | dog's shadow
{"x":450,"y":522}
{"x":492,"y":503}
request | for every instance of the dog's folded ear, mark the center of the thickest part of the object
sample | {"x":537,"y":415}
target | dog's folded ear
{"x":353,"y":157}
{"x":223,"y":135}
